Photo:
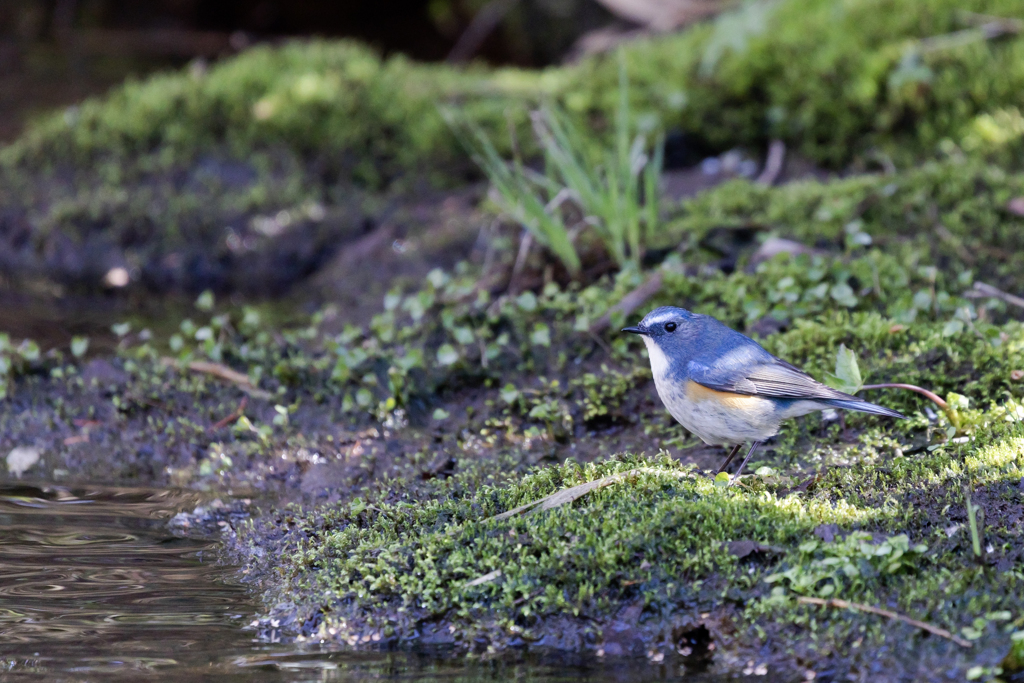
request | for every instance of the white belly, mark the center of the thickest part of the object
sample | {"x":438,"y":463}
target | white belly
{"x":719,"y":423}
{"x":716,"y":421}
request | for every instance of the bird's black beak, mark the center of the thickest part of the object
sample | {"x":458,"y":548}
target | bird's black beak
{"x":634,"y":330}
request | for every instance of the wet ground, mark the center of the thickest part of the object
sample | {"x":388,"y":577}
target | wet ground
{"x":95,"y":586}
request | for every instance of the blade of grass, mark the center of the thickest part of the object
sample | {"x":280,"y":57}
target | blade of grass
{"x":515,"y":191}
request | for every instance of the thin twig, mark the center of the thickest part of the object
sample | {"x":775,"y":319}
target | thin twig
{"x":481,"y":26}
{"x":524,"y":253}
{"x":980,"y":290}
{"x":487,"y":237}
{"x":224,"y":422}
{"x":978,"y":19}
{"x":601,"y":342}
{"x":630,"y":302}
{"x":989,"y":30}
{"x":843,"y":604}
{"x":242,"y":381}
{"x":489,"y":576}
{"x":773,"y":163}
{"x":910,"y":387}
{"x":565,"y":496}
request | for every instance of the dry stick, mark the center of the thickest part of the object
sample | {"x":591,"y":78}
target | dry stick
{"x":979,"y":19}
{"x":910,"y":387}
{"x":981,"y":290}
{"x":988,"y":30}
{"x":843,"y":604}
{"x":524,"y":253}
{"x":223,"y":372}
{"x":630,"y":302}
{"x":954,"y":417}
{"x":773,"y":164}
{"x":565,"y":496}
{"x":239,"y":411}
{"x":482,"y":24}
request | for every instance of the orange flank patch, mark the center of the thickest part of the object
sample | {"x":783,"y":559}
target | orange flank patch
{"x":699,"y":393}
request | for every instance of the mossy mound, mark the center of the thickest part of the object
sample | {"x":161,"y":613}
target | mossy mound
{"x":836,"y":79}
{"x":442,"y":569}
{"x":218,"y":150}
{"x":366,"y":118}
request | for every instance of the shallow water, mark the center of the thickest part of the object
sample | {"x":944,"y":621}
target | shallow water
{"x":94,"y":587}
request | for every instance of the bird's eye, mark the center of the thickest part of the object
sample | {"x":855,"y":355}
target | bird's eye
{"x":670,"y":327}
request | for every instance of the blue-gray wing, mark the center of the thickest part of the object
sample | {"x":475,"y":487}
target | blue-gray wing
{"x":774,"y":378}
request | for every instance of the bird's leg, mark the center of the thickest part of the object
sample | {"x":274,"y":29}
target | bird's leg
{"x":753,"y":447}
{"x":732,"y":454}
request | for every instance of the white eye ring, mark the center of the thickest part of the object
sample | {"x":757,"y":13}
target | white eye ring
{"x":670,"y":327}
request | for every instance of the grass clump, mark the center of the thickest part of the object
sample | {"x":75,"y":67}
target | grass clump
{"x":614,"y":193}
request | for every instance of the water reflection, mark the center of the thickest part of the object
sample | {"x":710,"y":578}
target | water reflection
{"x":93,"y":587}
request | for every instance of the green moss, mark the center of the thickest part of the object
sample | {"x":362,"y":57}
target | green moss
{"x":408,"y":553}
{"x":659,"y":535}
{"x":836,"y":79}
{"x":520,"y":379}
{"x":314,"y":99}
{"x":191,"y":167}
{"x":424,"y":558}
{"x":952,"y":211}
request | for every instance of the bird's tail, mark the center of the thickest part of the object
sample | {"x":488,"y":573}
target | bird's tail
{"x":864,"y":407}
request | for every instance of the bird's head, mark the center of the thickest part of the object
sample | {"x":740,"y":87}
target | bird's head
{"x":670,"y":333}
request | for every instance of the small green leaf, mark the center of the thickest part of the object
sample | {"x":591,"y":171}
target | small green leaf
{"x":437,"y":277}
{"x":722,"y":479}
{"x":121,"y":329}
{"x":79,"y":345}
{"x":541,"y":335}
{"x":205,"y":301}
{"x":391,"y":300}
{"x":509,"y":393}
{"x":957,"y":401}
{"x":441,"y":414}
{"x":413,"y":358}
{"x":250,"y":318}
{"x":952,"y":328}
{"x":463,"y":335}
{"x":843,"y":294}
{"x":527,"y":301}
{"x":446,"y":354}
{"x":847,"y":376}
{"x":29,"y":350}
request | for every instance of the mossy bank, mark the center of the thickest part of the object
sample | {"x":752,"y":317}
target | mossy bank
{"x":265,"y":163}
{"x":458,"y":451}
{"x":403,"y":438}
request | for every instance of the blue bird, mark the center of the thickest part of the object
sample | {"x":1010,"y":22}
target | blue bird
{"x":724,"y":387}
